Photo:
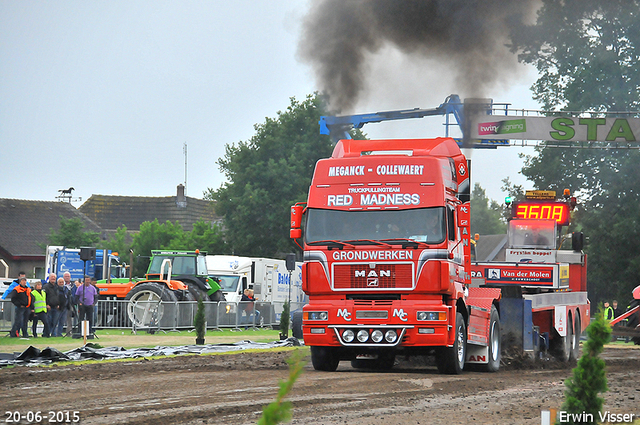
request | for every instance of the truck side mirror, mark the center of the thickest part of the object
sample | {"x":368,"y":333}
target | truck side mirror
{"x":296,"y":221}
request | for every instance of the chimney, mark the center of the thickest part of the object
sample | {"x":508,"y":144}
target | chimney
{"x":181,"y":200}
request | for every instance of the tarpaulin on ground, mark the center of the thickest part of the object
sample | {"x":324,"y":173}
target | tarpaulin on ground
{"x":33,"y":356}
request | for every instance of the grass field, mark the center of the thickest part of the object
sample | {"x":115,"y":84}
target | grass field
{"x":125,"y":338}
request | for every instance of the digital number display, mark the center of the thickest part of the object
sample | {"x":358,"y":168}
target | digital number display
{"x":557,"y":211}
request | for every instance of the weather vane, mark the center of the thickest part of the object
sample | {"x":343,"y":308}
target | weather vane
{"x":65,"y":195}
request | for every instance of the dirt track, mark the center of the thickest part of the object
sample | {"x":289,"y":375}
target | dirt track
{"x":234,"y":388}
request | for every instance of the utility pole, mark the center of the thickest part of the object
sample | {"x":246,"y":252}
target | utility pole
{"x":184,"y":150}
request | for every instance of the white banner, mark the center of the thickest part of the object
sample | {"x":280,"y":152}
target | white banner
{"x":569,"y":129}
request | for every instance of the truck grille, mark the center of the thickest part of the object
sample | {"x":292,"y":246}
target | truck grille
{"x":382,"y":276}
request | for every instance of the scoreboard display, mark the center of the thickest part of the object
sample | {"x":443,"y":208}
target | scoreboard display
{"x":558,"y":211}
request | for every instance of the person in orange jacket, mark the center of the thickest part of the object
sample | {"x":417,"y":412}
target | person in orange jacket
{"x":22,"y":300}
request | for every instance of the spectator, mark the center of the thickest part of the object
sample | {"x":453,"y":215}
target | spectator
{"x":86,"y":295}
{"x":39,"y":310}
{"x":94,"y":283}
{"x":22,"y":300}
{"x":74,"y":304}
{"x":616,"y":311}
{"x":252,"y":315}
{"x":14,"y":284}
{"x":69,"y":289}
{"x":608,"y":311}
{"x":53,"y":301}
{"x":63,"y":302}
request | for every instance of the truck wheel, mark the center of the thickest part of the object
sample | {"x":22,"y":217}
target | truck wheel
{"x":577,"y":331}
{"x":296,"y":324}
{"x":495,"y":342}
{"x":324,"y":359}
{"x":561,"y":345}
{"x":144,"y":307}
{"x":451,"y":359}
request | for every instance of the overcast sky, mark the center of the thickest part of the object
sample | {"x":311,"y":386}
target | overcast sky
{"x":102,"y":95}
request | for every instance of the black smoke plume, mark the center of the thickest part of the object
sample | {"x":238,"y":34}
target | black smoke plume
{"x":468,"y":37}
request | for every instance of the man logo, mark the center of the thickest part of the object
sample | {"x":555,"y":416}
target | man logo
{"x":372,"y":281}
{"x":373,"y":273}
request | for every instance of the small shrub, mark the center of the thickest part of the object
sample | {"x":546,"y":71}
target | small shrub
{"x":198,"y":320}
{"x":589,"y":376}
{"x":280,"y":410}
{"x":284,"y":320}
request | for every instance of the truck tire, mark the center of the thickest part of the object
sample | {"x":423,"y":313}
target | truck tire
{"x":451,"y":359}
{"x":144,"y":308}
{"x":296,"y":324}
{"x":577,"y":332}
{"x":324,"y":359}
{"x":495,"y":342}
{"x":561,"y":345}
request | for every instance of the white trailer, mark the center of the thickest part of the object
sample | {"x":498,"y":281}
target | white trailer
{"x":268,"y":277}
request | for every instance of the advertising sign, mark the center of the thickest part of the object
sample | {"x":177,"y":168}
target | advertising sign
{"x":570,"y":129}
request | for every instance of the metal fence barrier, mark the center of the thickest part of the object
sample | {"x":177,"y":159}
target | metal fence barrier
{"x":165,"y":316}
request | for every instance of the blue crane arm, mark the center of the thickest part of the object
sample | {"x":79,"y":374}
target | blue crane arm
{"x":338,"y":127}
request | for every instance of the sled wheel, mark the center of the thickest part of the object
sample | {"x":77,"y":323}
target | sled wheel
{"x":562,"y":344}
{"x":577,"y":331}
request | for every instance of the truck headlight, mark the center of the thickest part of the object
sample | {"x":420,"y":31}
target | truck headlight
{"x":390,"y":336}
{"x":315,"y":315}
{"x":431,"y":315}
{"x":348,"y":335}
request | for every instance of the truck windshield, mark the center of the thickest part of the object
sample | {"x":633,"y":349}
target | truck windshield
{"x":179,"y":265}
{"x":228,"y":283}
{"x":532,"y":234}
{"x":420,"y":225}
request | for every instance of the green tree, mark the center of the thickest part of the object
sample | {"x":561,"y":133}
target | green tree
{"x":589,"y":376}
{"x":266,"y":175}
{"x":204,"y":236}
{"x":588,"y":56}
{"x":154,"y":235}
{"x":119,"y":242}
{"x":486,"y":214}
{"x":72,"y":234}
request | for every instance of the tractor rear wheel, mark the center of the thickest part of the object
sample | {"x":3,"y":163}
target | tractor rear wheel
{"x":144,"y":307}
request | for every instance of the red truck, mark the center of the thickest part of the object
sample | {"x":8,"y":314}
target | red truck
{"x":544,"y":303}
{"x":387,"y":258}
{"x":387,"y":265}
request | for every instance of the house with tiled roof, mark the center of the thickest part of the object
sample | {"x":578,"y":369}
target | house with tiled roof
{"x":24,"y":230}
{"x":26,"y":225}
{"x":111,"y":212}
